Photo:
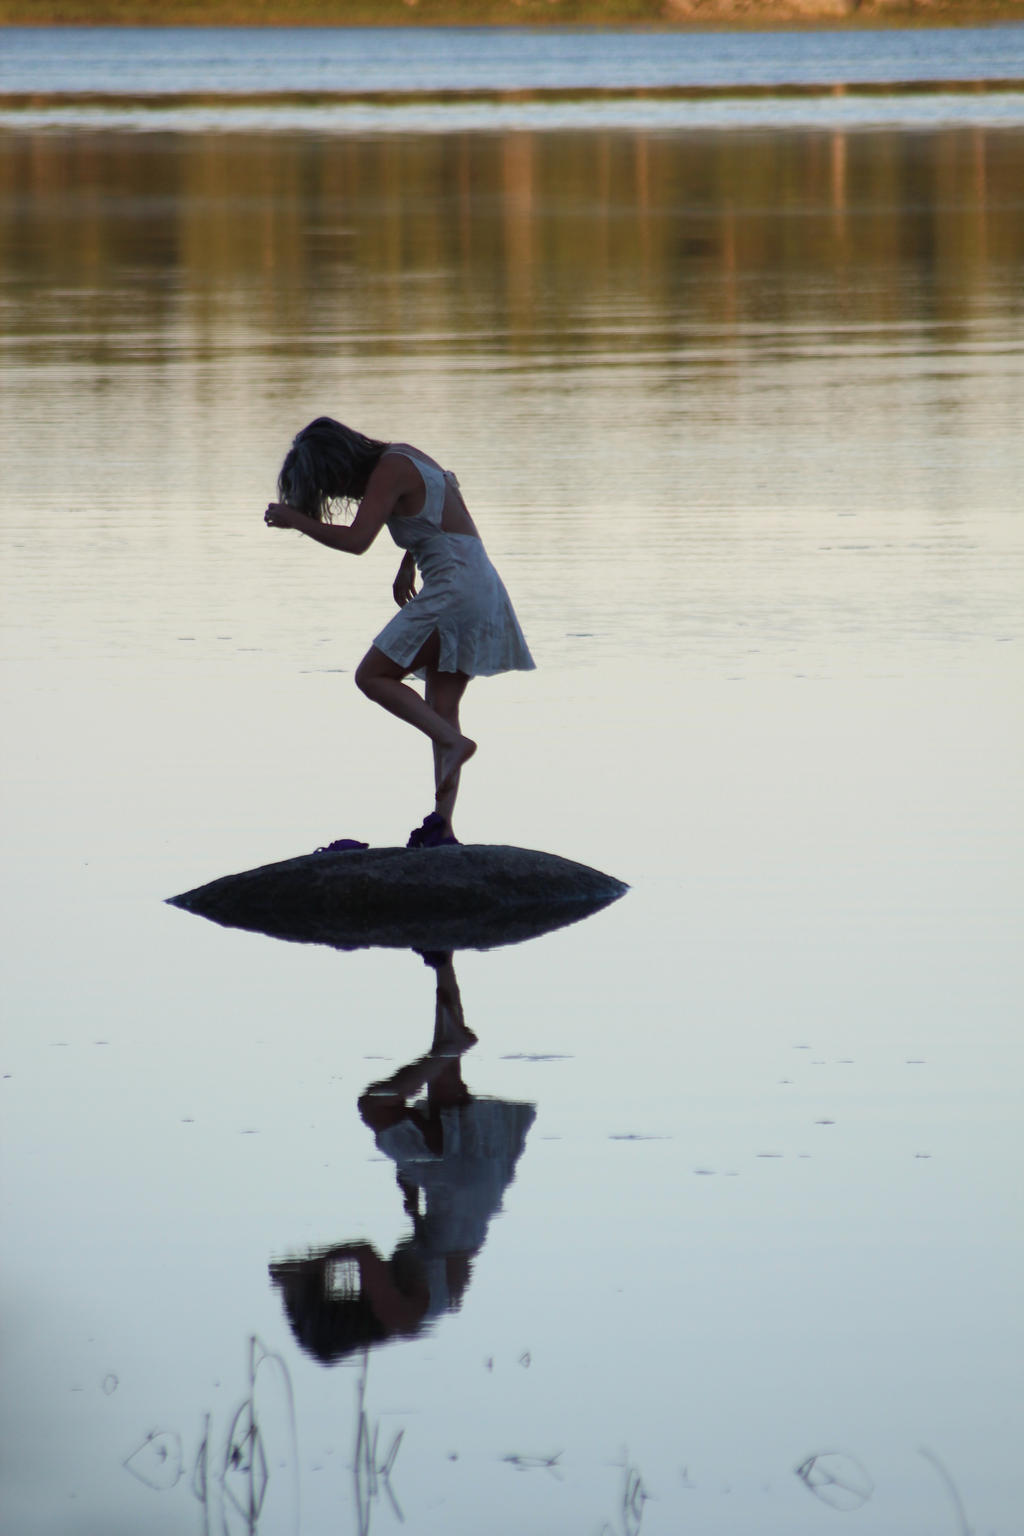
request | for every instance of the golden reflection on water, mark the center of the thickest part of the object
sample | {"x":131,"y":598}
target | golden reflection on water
{"x":734,"y":339}
{"x":506,"y":241}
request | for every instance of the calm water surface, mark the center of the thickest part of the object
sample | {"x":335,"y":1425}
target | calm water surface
{"x":47,"y":76}
{"x":125,"y":59}
{"x":735,"y":1202}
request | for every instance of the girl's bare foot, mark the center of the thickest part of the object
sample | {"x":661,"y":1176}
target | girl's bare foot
{"x":452,"y":759}
{"x":453,"y":1039}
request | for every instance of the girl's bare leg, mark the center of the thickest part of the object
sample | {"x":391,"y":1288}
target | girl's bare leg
{"x":381,"y":680}
{"x":444,"y":694}
{"x":452,"y":1035}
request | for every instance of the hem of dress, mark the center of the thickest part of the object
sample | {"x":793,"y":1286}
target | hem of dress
{"x":517,"y":666}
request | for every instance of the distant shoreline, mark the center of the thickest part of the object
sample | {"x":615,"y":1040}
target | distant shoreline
{"x":546,"y":15}
{"x":472,"y":96}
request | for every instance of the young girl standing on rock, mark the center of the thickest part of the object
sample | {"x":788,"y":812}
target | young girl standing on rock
{"x":460,"y":625}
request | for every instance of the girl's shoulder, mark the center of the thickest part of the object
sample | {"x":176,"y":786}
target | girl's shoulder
{"x":398,"y":468}
{"x":407,"y":451}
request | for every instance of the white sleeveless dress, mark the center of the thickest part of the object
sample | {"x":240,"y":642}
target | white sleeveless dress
{"x":462,"y":597}
{"x":463,"y":1185}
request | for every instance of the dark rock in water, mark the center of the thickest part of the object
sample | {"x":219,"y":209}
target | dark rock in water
{"x":468,"y":896}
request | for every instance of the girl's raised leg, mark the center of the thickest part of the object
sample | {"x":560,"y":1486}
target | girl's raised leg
{"x":381,"y":679}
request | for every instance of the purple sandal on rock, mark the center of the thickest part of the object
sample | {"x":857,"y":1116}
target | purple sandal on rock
{"x":342,"y":845}
{"x":432,"y":833}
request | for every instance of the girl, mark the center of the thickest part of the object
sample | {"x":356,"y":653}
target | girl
{"x":461,"y":624}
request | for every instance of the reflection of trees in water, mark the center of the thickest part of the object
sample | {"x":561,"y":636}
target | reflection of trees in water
{"x":516,"y":237}
{"x":455,"y":1154}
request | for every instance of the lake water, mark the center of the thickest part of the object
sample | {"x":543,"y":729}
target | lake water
{"x":241,"y":59}
{"x":268,"y":79}
{"x":739,"y":414}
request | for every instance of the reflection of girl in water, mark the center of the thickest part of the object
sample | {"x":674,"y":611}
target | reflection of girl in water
{"x":454,"y":1155}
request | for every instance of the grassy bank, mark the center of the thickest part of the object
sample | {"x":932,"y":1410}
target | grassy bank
{"x":746,"y":14}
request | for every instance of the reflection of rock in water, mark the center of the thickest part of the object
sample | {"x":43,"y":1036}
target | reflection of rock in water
{"x":462,"y":897}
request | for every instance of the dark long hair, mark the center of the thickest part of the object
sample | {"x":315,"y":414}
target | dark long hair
{"x":329,"y":1327}
{"x":327,"y":462}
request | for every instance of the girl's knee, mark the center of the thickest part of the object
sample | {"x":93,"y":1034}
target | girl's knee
{"x":367,"y":673}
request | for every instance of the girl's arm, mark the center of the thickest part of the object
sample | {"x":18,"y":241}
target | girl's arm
{"x":335,"y":536}
{"x":404,"y":586}
{"x":390,"y":481}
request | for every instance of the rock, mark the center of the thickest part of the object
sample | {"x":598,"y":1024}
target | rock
{"x":467,"y":896}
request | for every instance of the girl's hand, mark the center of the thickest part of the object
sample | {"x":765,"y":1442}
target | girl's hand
{"x":278,"y":515}
{"x":404,"y":585}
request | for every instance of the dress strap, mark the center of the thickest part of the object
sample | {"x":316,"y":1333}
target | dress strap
{"x":433,"y":479}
